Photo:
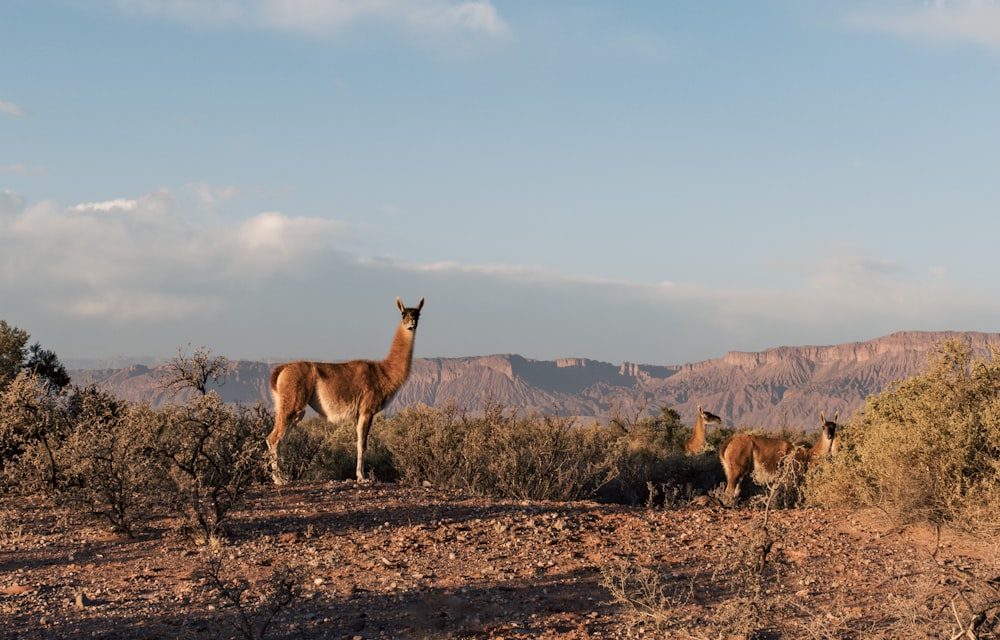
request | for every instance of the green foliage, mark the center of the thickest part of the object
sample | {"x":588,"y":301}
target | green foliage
{"x":16,"y":356}
{"x":44,"y":363}
{"x":13,"y":351}
{"x":928,"y":448}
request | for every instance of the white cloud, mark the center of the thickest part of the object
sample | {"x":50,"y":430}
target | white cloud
{"x":311,"y":16}
{"x":11,"y":109}
{"x":271,"y":242}
{"x":975,"y":21}
{"x":127,"y":258}
{"x":106,"y":206}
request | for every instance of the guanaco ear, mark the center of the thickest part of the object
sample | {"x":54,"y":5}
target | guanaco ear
{"x":700,"y":412}
{"x":399,"y":303}
{"x":420,"y":305}
{"x":822,"y":418}
{"x":835,"y":416}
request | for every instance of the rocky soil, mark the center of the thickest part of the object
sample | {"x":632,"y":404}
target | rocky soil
{"x":390,"y":561}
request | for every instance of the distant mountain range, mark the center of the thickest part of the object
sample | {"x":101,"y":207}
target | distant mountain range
{"x":780,"y":386}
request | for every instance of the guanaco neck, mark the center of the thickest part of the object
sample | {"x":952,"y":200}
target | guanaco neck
{"x":697,"y":440}
{"x":397,"y":364}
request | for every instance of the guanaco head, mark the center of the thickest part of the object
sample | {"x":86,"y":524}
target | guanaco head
{"x":709,"y":418}
{"x":410,"y":314}
{"x":828,"y":430}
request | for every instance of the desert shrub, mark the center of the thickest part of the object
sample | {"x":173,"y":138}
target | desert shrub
{"x":213,"y":453}
{"x":33,"y":427}
{"x":927,"y":448}
{"x":749,"y":566}
{"x":315,"y":451}
{"x":196,"y":373}
{"x":312,"y":451}
{"x":649,"y":597}
{"x":501,"y":453}
{"x":678,"y":479}
{"x":546,"y":458}
{"x":653,"y":469}
{"x":434,"y":446}
{"x":251,"y":609}
{"x":643,"y":459}
{"x":113,"y":469}
{"x":664,"y":432}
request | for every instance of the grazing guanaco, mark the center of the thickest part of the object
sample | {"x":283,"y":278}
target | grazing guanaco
{"x":339,"y":391}
{"x":740,"y":454}
{"x":697,"y":440}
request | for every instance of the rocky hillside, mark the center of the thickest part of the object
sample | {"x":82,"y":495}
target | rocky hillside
{"x":784,"y":385}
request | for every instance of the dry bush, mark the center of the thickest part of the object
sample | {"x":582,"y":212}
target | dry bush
{"x":650,"y":598}
{"x":641,"y":465}
{"x":677,"y":479}
{"x":501,"y":453}
{"x":318,"y":451}
{"x":928,"y":448}
{"x":13,"y":531}
{"x":85,"y":447}
{"x":315,"y":451}
{"x":113,"y":469}
{"x":944,"y":600}
{"x":745,"y":578}
{"x":436,"y":446}
{"x":251,"y":609}
{"x":213,"y":454}
{"x":783,"y":490}
{"x":747,"y":566}
{"x":33,"y":427}
{"x":652,"y":468}
{"x":545,"y":457}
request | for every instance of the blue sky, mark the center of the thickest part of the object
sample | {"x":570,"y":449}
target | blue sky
{"x":654,"y":182}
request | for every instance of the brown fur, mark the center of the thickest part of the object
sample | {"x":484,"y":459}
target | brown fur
{"x":697,"y":440}
{"x":740,"y":454}
{"x":339,"y":391}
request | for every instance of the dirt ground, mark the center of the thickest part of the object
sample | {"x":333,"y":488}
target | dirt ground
{"x":393,"y":561}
